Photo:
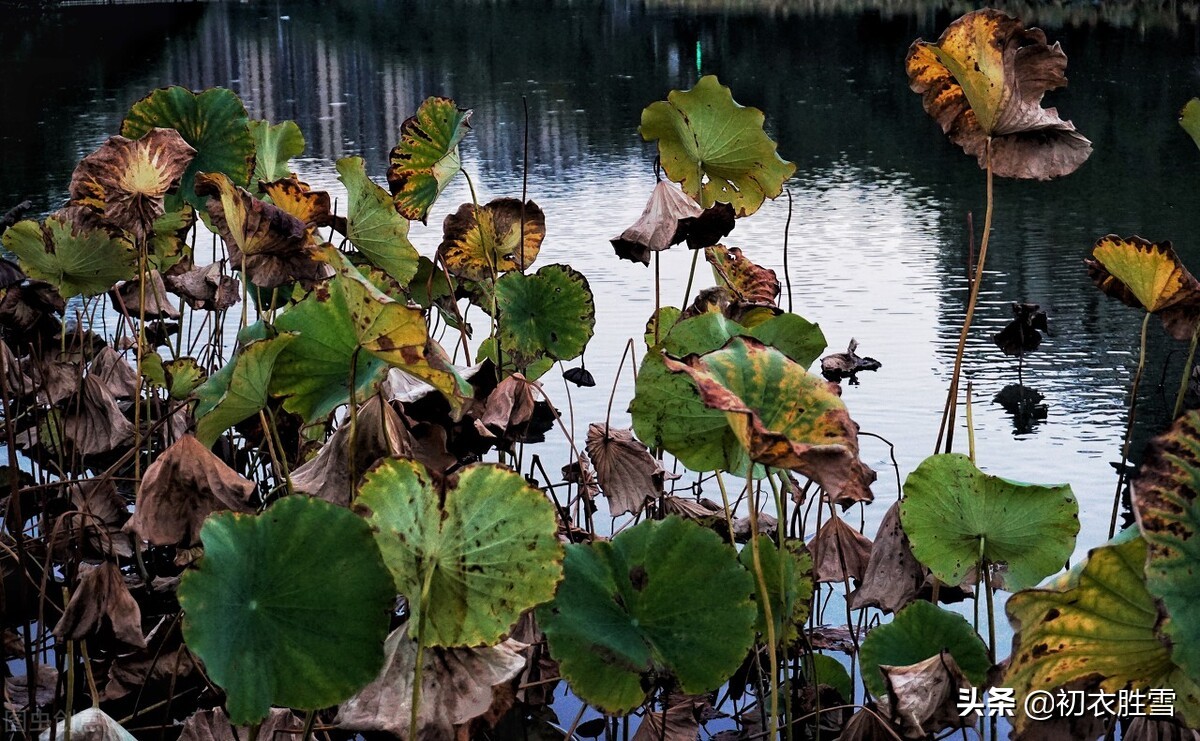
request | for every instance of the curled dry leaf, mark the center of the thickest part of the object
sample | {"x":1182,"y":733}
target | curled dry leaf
{"x":923,"y":697}
{"x":671,"y":217}
{"x":16,"y":690}
{"x":98,"y":511}
{"x":984,"y":80}
{"x":839,"y":552}
{"x":894,"y":577}
{"x":458,"y":685}
{"x":1147,"y":275}
{"x":676,"y":723}
{"x":206,"y":288}
{"x":479,"y":244}
{"x":130,"y":673}
{"x":96,"y":425}
{"x":102,"y":606}
{"x":628,"y":474}
{"x":92,"y":724}
{"x":1024,"y":333}
{"x":118,"y":376}
{"x":180,"y":489}
{"x":508,"y":410}
{"x":214,"y":725}
{"x":867,"y":725}
{"x":126,"y":179}
{"x":745,"y":281}
{"x":127,"y":298}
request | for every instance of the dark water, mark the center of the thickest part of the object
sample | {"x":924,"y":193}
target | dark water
{"x":878,"y":238}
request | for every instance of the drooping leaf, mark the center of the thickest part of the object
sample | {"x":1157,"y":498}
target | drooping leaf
{"x":789,"y":578}
{"x":782,"y":415}
{"x":287,"y":608}
{"x":1189,"y":119}
{"x":627,"y":473}
{"x":924,"y":697}
{"x":127,"y":298}
{"x":332,"y":475}
{"x":985,"y":78}
{"x":274,"y":145}
{"x":550,"y":313}
{"x":1024,"y":333}
{"x":480,"y":243}
{"x":75,"y":262}
{"x":894,"y":577}
{"x":373,"y":226}
{"x":96,"y":423}
{"x":1150,"y":276}
{"x":840,"y":552}
{"x":1166,"y":501}
{"x":670,"y":217}
{"x":714,"y":148}
{"x":1098,"y":625}
{"x":239,"y":389}
{"x":472,"y":564}
{"x":748,"y":282}
{"x":426,"y":159}
{"x":213,"y":122}
{"x":662,"y":596}
{"x":918,"y":632}
{"x":955,"y":515}
{"x":676,"y":723}
{"x":214,"y":725}
{"x":125,"y":180}
{"x":102,"y":605}
{"x":92,"y":724}
{"x":205,"y":288}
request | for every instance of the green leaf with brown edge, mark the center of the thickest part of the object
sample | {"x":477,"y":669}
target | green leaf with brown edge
{"x":213,"y":122}
{"x":274,"y":146}
{"x":470,"y":557}
{"x":1098,"y":624}
{"x":426,"y":159}
{"x":714,"y":148}
{"x":77,"y":262}
{"x":665,"y":596}
{"x":372,"y":224}
{"x":984,"y":80}
{"x":1147,"y":275}
{"x":480,"y":243}
{"x":789,"y":582}
{"x":550,"y":313}
{"x":747,"y":281}
{"x":239,"y":389}
{"x":955,"y":514}
{"x":782,"y":415}
{"x":1166,"y":501}
{"x":1189,"y":119}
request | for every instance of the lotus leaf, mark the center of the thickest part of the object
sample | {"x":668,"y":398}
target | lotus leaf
{"x":239,"y":389}
{"x":102,"y":605}
{"x":789,"y":585}
{"x":75,"y":261}
{"x":168,"y":245}
{"x":480,"y":243}
{"x":625,"y":470}
{"x":925,"y":697}
{"x":782,"y":415}
{"x":662,"y":596}
{"x":1096,"y":624}
{"x":550,"y":313}
{"x":426,"y":159}
{"x":294,"y":196}
{"x":984,"y":80}
{"x":829,"y":671}
{"x":955,"y":514}
{"x":213,"y":122}
{"x":714,"y":148}
{"x":1189,"y":119}
{"x":791,"y":334}
{"x":373,"y":226}
{"x":1165,"y":500}
{"x":182,"y":376}
{"x":748,"y":282}
{"x":670,"y":217}
{"x":470,"y":557}
{"x":1150,"y":276}
{"x":126,"y":180}
{"x":274,"y":145}
{"x":287,"y":608}
{"x":918,"y":632}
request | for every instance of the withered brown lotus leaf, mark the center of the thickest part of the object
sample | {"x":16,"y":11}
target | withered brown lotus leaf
{"x":1147,"y":275}
{"x":101,"y":605}
{"x":380,"y":433}
{"x":96,"y":425}
{"x":663,"y":222}
{"x":457,"y":686}
{"x":126,"y":179}
{"x":30,"y":307}
{"x":746,"y":281}
{"x":702,"y":510}
{"x":893,"y":577}
{"x":479,"y":244}
{"x":213,"y":725}
{"x":867,"y":725}
{"x":985,"y":77}
{"x":54,"y":380}
{"x":839,"y":552}
{"x":179,"y":490}
{"x":512,"y":414}
{"x":269,"y":244}
{"x":98,"y":512}
{"x":1024,"y":333}
{"x":923,"y":697}
{"x":152,"y":664}
{"x":297,"y":198}
{"x":628,"y":474}
{"x":676,"y":723}
{"x":205,"y":288}
{"x":16,"y":691}
{"x":10,"y":273}
{"x":117,"y":375}
{"x":127,"y":298}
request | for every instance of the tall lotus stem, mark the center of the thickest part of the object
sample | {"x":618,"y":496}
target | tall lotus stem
{"x":420,"y":658}
{"x":1137,"y":379}
{"x":1187,"y":372}
{"x":948,"y":412}
{"x":765,"y":598}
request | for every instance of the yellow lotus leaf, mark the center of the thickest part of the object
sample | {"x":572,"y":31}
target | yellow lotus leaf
{"x":1147,"y":275}
{"x":295,"y":197}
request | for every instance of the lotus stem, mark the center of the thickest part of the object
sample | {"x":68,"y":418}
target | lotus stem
{"x":1137,"y":379}
{"x":781,"y":537}
{"x":657,"y":297}
{"x":141,"y":343}
{"x":70,"y":683}
{"x":970,"y":424}
{"x":687,"y":292}
{"x":1187,"y":372}
{"x":948,"y":412}
{"x":765,"y":597}
{"x":309,"y":718}
{"x":420,"y":658}
{"x":787,"y":276}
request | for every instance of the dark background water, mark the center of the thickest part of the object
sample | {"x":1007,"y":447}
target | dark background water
{"x":878,"y":238}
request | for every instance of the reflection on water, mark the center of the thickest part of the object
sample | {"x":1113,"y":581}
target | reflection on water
{"x":878,"y":238}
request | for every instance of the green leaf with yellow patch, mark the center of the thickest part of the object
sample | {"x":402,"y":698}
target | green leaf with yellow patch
{"x":426,"y":159}
{"x":373,"y":226}
{"x":1147,"y":275}
{"x":76,"y":261}
{"x":481,"y":243}
{"x":239,"y":389}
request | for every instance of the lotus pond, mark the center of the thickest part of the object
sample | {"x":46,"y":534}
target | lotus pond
{"x":356,"y":383}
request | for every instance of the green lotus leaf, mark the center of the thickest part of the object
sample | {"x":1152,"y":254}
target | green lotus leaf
{"x":426,"y":159}
{"x":182,"y":375}
{"x":287,"y":608}
{"x":1096,"y":623}
{"x":714,"y":148}
{"x":550,"y":313}
{"x":919,"y":631}
{"x":789,"y":586}
{"x":274,"y":146}
{"x":213,"y":122}
{"x":429,"y":284}
{"x":168,"y":245}
{"x":955,"y":514}
{"x":782,"y":415}
{"x":665,"y":596}
{"x":239,"y":389}
{"x":75,"y":261}
{"x":1166,"y":500}
{"x":469,"y":558}
{"x":479,"y":243}
{"x":660,"y":323}
{"x":791,"y":334}
{"x":373,"y":226}
{"x":829,"y":671}
{"x":1189,"y":119}
{"x":532,"y":371}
